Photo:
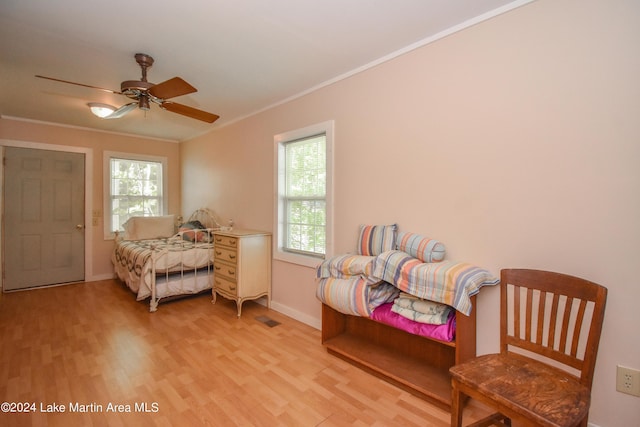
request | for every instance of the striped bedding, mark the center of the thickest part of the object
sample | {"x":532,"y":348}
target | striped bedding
{"x":345,"y":266}
{"x":375,"y":239}
{"x":447,"y":282}
{"x":421,"y":247}
{"x":357,"y":296}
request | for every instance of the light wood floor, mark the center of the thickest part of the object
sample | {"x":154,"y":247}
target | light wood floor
{"x":92,"y":346}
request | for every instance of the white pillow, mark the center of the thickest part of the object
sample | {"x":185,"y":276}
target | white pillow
{"x":149,"y":227}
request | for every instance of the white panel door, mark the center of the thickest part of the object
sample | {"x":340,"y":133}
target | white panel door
{"x":43,"y":217}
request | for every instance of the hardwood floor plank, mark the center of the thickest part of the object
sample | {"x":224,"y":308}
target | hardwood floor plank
{"x":94,"y":349}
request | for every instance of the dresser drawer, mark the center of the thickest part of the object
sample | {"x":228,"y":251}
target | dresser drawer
{"x":242,"y":266}
{"x":224,"y":269}
{"x":225,"y":240}
{"x":225,"y":286}
{"x":225,"y":254}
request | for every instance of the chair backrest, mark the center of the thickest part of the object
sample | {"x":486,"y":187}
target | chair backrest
{"x":553,"y":315}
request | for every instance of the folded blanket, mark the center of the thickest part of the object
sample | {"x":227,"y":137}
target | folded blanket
{"x":416,"y":316}
{"x":445,"y":332}
{"x":421,"y":310}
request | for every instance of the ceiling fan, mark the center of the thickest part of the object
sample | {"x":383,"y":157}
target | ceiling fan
{"x":144,"y":93}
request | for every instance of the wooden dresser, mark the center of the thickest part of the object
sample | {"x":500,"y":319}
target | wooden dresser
{"x":242,"y":266}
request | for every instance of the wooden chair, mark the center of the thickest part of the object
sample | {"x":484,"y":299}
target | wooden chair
{"x":549,"y":333}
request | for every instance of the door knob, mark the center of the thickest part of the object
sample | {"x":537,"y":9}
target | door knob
{"x":80,"y":226}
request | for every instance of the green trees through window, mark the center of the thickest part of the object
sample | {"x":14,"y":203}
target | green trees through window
{"x":305,"y":195}
{"x":136,"y":189}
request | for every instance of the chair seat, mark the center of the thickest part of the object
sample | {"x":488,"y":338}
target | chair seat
{"x":538,"y":392}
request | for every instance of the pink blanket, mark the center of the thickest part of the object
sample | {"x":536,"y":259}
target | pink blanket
{"x":446,"y":332}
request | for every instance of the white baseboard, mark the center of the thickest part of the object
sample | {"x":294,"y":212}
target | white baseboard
{"x":100,"y":277}
{"x":297,"y":315}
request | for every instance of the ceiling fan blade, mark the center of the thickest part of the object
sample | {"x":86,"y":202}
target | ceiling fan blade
{"x":80,"y":84}
{"x":171,"y":88}
{"x":189,"y":112}
{"x":120,"y":112}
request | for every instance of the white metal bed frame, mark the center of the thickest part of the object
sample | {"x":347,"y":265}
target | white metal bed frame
{"x":175,"y":270}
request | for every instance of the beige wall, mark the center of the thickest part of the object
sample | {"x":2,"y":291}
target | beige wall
{"x":17,"y":132}
{"x":514,"y":142}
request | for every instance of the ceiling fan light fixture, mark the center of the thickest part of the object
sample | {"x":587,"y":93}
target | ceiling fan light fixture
{"x":101,"y":110}
{"x":143,"y":93}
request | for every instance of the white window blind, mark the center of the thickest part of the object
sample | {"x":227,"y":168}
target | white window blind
{"x":305,"y":192}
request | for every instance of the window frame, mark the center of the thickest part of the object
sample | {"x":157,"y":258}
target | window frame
{"x":108,"y":155}
{"x":280,"y":141}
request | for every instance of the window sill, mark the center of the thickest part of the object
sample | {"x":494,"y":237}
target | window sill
{"x":305,"y":261}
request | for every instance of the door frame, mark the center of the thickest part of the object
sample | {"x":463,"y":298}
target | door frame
{"x":88,"y":197}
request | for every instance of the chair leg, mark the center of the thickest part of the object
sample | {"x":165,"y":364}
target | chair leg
{"x":456,"y":405}
{"x":458,"y":400}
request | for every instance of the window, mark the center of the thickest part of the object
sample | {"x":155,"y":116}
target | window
{"x":134,"y":186}
{"x":304,"y":194}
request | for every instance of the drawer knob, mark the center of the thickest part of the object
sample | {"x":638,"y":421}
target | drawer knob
{"x":232,"y":257}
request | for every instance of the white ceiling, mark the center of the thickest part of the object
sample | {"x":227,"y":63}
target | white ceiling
{"x":243,"y":56}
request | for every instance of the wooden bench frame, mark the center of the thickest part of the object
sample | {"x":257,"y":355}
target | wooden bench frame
{"x":416,"y":364}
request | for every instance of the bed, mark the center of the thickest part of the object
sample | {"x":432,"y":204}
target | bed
{"x":156,"y":262}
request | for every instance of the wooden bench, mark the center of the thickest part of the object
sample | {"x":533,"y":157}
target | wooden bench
{"x":417,"y":364}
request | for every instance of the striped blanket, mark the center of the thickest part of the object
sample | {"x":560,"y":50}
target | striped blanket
{"x":448,"y":282}
{"x":345,"y":266}
{"x":356,"y":295}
